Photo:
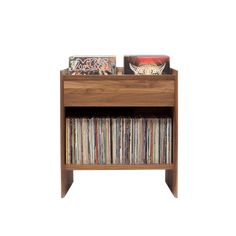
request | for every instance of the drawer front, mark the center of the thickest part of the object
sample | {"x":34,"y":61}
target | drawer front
{"x":130,"y":92}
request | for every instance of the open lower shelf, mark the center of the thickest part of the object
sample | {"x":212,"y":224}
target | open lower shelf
{"x":119,"y":167}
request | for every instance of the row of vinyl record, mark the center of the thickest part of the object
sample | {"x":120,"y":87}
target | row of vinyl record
{"x":133,"y":64}
{"x":120,"y":140}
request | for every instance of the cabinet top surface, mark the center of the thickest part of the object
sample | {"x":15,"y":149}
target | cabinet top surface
{"x":65,"y":75}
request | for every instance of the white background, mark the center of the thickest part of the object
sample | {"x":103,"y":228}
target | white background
{"x":37,"y":38}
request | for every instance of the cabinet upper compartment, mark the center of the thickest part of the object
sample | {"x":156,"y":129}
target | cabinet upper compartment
{"x":118,"y":90}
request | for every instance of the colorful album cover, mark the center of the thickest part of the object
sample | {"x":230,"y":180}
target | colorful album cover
{"x":90,"y":65}
{"x":147,"y":65}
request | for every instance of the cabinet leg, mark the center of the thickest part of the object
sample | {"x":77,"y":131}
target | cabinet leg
{"x":66,"y":181}
{"x":172,"y":181}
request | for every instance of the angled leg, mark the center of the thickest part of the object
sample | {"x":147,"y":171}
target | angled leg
{"x":66,"y":181}
{"x":171,"y":179}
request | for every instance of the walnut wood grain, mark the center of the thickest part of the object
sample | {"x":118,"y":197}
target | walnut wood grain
{"x":120,"y":167}
{"x":115,"y":92}
{"x":96,"y":91}
{"x":66,"y":175}
{"x":171,"y":176}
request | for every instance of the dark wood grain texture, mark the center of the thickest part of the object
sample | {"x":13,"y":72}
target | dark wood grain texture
{"x":117,"y":92}
{"x":171,"y":176}
{"x":120,"y":167}
{"x":157,"y":93}
{"x":66,"y":175}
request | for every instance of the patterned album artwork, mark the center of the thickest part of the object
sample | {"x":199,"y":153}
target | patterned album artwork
{"x":99,"y":65}
{"x":147,"y":65}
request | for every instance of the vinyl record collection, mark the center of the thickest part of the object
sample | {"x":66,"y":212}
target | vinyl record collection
{"x":118,"y":140}
{"x":133,"y":64}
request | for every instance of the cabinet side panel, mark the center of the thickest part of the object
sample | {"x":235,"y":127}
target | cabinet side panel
{"x":171,"y":176}
{"x":66,"y":175}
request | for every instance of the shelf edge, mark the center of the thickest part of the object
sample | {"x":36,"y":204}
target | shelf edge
{"x":119,"y":167}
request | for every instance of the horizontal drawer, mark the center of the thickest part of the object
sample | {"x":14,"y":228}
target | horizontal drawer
{"x":119,"y":92}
